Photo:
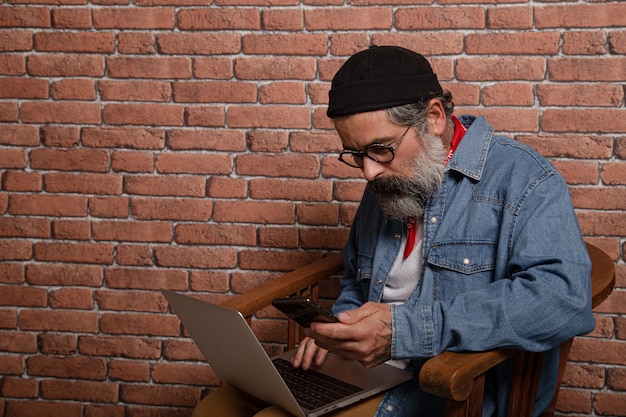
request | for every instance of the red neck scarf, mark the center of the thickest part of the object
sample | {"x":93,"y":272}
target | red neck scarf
{"x":459,"y":131}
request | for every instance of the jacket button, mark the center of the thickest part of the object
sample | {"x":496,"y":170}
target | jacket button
{"x":389,"y":408}
{"x":433,"y":220}
{"x":466,"y":261}
{"x":398,"y":236}
{"x":379,"y":281}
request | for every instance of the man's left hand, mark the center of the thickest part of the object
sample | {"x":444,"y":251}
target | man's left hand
{"x":363,"y":334}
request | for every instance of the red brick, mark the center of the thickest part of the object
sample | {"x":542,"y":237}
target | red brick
{"x":193,"y":163}
{"x":599,"y":198}
{"x":22,"y":181}
{"x":435,"y":18}
{"x":124,"y":347}
{"x":70,"y":159}
{"x":23,"y":296}
{"x":269,"y":141}
{"x":213,"y":67}
{"x":24,"y":227}
{"x":71,"y":229}
{"x":131,"y":301}
{"x":61,"y":112}
{"x":508,"y":94}
{"x":268,"y":117}
{"x":274,"y":260}
{"x":227,"y":187}
{"x":160,"y":395}
{"x":71,"y":18}
{"x":208,"y":116}
{"x":349,"y":191}
{"x":195,"y":257}
{"x":211,"y":281}
{"x":18,"y":342}
{"x":134,"y":18}
{"x":134,"y":255}
{"x":261,"y":68}
{"x":501,"y":69}
{"x":103,"y":410}
{"x":148,"y":279}
{"x":208,"y":234}
{"x":369,"y":18}
{"x":132,"y":161}
{"x":136,"y":43}
{"x":278,"y":237}
{"x":504,"y":17}
{"x":282,"y":92}
{"x":599,"y":351}
{"x":13,"y":158}
{"x":48,"y":205}
{"x":171,"y":209}
{"x":574,"y":401}
{"x":61,"y":321}
{"x":613,"y":173}
{"x":181,"y":350}
{"x":584,"y":43}
{"x":12,"y":250}
{"x":212,"y":92}
{"x":278,"y":165}
{"x":584,"y":376}
{"x":616,"y":379}
{"x":126,"y":231}
{"x":15,"y":41}
{"x":13,"y":64}
{"x":83,"y":183}
{"x":285,"y":44}
{"x":187,"y":374}
{"x":213,"y":140}
{"x":127,"y":137}
{"x":510,"y":119}
{"x":64,"y":274}
{"x":24,"y":16}
{"x":86,"y":391}
{"x":601,"y":223}
{"x":585,"y":147}
{"x":318,"y":214}
{"x":523,"y":43}
{"x":282,"y":19}
{"x":579,"y":95}
{"x":617,"y":44}
{"x":149,"y":67}
{"x":9,"y":112}
{"x":587,"y":69}
{"x":11,"y":273}
{"x":60,"y":135}
{"x":92,"y":253}
{"x":135,"y":90}
{"x":610,"y":403}
{"x":43,"y":409}
{"x":199,"y":43}
{"x":8,"y":318}
{"x":19,"y":135}
{"x":66,"y":65}
{"x":139,"y":324}
{"x":72,"y":298}
{"x":294,"y":190}
{"x":580,"y":15}
{"x":11,"y":364}
{"x":19,"y":388}
{"x":23,"y":88}
{"x":143,"y":114}
{"x":254,"y":212}
{"x":108,"y":206}
{"x":58,"y":344}
{"x":179,"y":186}
{"x":129,"y":370}
{"x":219,"y":19}
{"x":81,"y":42}
{"x":73,"y":89}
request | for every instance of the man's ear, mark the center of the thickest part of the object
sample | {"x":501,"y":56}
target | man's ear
{"x":436,"y":117}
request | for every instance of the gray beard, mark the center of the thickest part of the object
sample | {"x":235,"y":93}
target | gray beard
{"x":401,"y":198}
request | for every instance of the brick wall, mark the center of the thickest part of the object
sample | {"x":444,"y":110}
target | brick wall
{"x":183,"y":144}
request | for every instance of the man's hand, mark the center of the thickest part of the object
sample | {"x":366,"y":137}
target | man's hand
{"x":363,"y":334}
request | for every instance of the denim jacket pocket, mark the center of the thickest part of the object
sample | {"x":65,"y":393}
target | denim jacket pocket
{"x":463,"y":257}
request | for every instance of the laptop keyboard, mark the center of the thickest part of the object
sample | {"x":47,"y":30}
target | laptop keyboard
{"x":310,"y":388}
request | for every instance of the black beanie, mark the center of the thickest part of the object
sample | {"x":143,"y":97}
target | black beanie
{"x":379,"y":78}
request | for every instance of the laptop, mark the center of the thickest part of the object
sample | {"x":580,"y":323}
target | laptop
{"x":238,"y":359}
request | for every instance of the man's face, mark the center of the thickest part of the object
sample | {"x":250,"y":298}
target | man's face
{"x":403,"y":185}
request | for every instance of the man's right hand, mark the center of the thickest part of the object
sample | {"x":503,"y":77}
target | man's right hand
{"x":307,"y":354}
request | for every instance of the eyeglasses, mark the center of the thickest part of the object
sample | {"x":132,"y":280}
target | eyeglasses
{"x":377,"y":152}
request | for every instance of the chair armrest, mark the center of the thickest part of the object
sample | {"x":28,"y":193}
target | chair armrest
{"x":451,"y":375}
{"x":299,"y":279}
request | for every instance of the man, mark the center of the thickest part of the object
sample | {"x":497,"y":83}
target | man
{"x":463,"y":241}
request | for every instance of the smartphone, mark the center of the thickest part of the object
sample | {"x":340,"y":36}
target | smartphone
{"x":304,"y":310}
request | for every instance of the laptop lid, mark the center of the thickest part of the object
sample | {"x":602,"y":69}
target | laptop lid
{"x":238,"y":359}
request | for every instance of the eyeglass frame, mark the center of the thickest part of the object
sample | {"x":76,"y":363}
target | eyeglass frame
{"x":391,"y":148}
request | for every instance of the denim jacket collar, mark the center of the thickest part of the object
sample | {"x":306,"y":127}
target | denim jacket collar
{"x":470,"y":157}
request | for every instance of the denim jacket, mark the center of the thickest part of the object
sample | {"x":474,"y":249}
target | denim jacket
{"x":504,"y":265}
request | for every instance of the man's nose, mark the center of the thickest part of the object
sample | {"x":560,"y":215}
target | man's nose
{"x":372,"y":169}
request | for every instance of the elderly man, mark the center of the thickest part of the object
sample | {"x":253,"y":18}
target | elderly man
{"x":463,"y":241}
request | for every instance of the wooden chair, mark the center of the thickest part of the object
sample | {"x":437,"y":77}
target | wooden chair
{"x":457,"y":377}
